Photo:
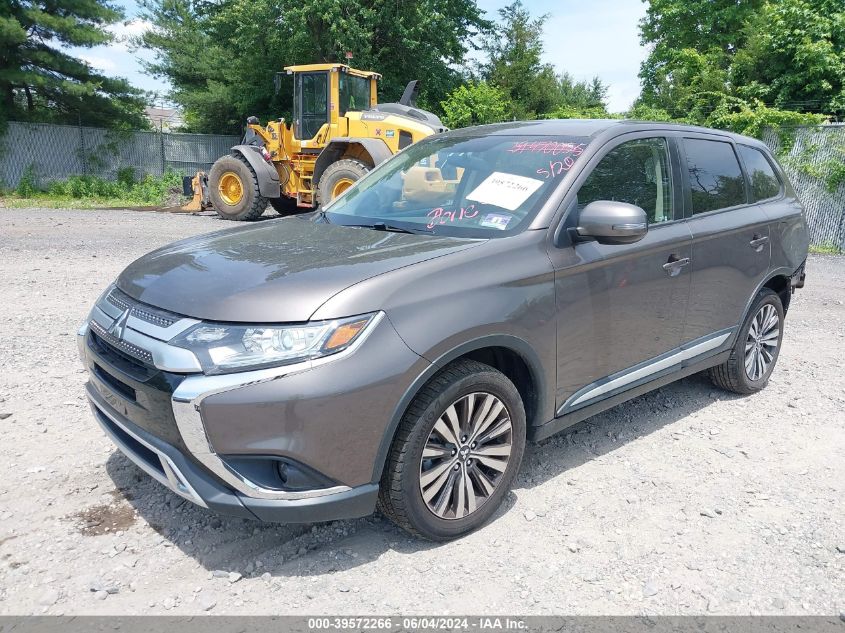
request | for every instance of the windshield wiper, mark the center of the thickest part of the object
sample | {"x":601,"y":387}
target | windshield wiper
{"x":322,"y":215}
{"x":383,"y":226}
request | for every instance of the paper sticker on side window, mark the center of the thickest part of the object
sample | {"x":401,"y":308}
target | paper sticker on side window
{"x":505,"y":190}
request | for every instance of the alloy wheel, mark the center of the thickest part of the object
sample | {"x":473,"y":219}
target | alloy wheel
{"x":762,"y":342}
{"x":466,"y":455}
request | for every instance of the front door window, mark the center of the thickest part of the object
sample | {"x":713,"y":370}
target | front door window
{"x":312,"y":101}
{"x":636,"y":172}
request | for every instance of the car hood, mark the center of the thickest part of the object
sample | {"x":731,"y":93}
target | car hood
{"x":273,"y":271}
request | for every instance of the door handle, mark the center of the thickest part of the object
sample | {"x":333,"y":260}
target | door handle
{"x":758,"y":242}
{"x":674,"y":265}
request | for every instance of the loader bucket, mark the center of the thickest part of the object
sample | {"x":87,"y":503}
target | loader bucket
{"x":197,"y":187}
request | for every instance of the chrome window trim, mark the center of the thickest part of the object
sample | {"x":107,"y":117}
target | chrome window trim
{"x":188,"y":397}
{"x":172,"y":478}
{"x":626,"y":377}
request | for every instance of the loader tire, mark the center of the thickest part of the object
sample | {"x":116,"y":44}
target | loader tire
{"x":338,"y":177}
{"x":284,"y":205}
{"x":233,"y":189}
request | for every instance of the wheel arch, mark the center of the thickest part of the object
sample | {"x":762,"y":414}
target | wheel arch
{"x":508,"y":354}
{"x":778,"y":280}
{"x":374,"y":149}
{"x":269,"y":185}
{"x":780,"y":283}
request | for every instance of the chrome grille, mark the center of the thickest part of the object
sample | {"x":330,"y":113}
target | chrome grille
{"x":123,"y":346}
{"x":151,"y":315}
{"x":116,"y":298}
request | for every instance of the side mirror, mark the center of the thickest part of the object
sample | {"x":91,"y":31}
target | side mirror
{"x":611,"y":222}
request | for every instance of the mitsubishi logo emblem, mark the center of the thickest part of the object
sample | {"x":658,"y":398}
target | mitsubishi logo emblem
{"x":119,"y":325}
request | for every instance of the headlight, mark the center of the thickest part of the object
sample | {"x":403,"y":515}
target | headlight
{"x":223,"y":348}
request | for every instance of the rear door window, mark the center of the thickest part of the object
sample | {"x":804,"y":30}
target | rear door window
{"x":715,"y":178}
{"x":764,"y":181}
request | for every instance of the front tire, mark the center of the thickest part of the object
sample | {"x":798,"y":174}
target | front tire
{"x":757,"y":347}
{"x":455,"y":454}
{"x":339,"y":177}
{"x":233,"y":189}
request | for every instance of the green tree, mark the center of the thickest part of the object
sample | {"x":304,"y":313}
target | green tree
{"x":39,"y":81}
{"x":789,"y":54}
{"x":752,"y":118}
{"x":582,"y":95}
{"x":221,"y":57}
{"x":687,"y":84}
{"x":515,"y":50}
{"x":475,"y":103}
{"x":794,"y":57}
{"x":692,"y":46}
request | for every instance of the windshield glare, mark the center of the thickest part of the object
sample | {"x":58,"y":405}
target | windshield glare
{"x":484,"y":186}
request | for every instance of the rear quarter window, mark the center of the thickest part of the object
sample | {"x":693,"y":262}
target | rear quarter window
{"x":715,"y":178}
{"x":765,"y":183}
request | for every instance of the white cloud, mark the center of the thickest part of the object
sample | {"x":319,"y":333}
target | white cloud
{"x":125,"y":31}
{"x":100,"y":63}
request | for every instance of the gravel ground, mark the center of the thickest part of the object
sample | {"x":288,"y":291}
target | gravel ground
{"x":685,"y":501}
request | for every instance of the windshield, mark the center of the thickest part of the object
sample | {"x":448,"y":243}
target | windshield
{"x":481,"y":186}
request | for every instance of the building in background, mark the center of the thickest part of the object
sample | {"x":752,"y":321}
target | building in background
{"x":164,"y":119}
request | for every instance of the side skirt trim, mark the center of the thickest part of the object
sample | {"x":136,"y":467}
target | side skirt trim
{"x":539,"y":433}
{"x":644,"y":371}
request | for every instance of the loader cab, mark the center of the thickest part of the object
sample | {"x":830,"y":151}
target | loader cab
{"x":323,"y":93}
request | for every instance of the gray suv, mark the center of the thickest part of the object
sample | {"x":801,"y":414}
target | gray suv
{"x":482,"y":288}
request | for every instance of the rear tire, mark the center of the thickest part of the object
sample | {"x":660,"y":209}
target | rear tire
{"x":756,"y":349}
{"x":338,"y":177}
{"x":429,"y":495}
{"x":233,"y":189}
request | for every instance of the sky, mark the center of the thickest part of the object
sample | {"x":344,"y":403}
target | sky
{"x":586,"y":39}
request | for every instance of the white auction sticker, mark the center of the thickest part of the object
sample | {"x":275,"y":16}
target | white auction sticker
{"x":505,"y":190}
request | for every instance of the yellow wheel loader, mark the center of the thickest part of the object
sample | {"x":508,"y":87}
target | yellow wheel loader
{"x":339,"y":133}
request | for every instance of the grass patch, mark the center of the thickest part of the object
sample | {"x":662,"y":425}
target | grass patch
{"x":92,"y":192}
{"x":827,"y":248}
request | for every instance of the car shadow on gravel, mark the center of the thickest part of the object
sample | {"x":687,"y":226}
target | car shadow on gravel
{"x":614,"y":428}
{"x":231,"y":548}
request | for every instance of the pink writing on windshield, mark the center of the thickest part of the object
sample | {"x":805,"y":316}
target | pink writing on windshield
{"x":554,"y":148}
{"x":557,"y":167}
{"x":442,"y":216}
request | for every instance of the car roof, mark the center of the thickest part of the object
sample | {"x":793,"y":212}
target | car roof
{"x":592,"y":128}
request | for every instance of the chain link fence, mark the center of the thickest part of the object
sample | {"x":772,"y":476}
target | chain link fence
{"x":814,"y":159}
{"x":54,"y":152}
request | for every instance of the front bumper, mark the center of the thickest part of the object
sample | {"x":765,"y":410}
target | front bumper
{"x":202,"y":436}
{"x":173,"y":469}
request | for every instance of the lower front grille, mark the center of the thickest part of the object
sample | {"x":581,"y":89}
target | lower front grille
{"x":148,"y":458}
